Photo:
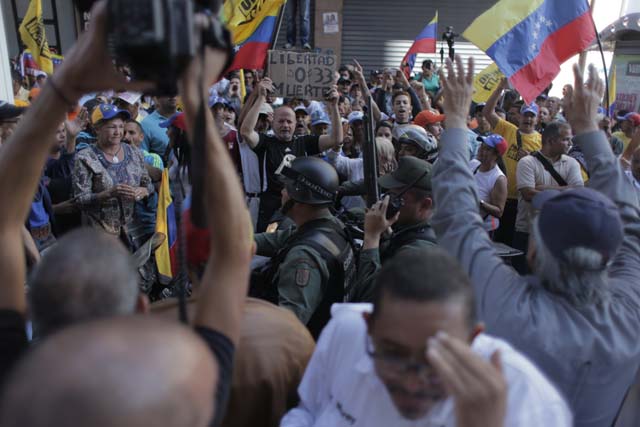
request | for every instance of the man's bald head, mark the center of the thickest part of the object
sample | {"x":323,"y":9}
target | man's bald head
{"x":86,"y":275}
{"x":284,"y":123}
{"x":126,"y":371}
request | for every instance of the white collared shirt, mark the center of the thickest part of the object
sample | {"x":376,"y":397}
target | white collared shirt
{"x":341,"y":389}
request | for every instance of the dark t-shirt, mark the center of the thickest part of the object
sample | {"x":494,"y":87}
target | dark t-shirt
{"x":274,"y":149}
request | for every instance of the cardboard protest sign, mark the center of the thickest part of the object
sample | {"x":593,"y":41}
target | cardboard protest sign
{"x":485,"y":83}
{"x":301,"y":74}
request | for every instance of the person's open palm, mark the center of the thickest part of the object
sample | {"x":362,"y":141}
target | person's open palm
{"x":457,"y":89}
{"x":582,"y":101}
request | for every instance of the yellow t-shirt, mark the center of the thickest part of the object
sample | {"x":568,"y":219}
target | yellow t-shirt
{"x":530,"y":142}
{"x":622,"y":137}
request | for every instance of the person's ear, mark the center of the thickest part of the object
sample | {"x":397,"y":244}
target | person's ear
{"x":477,"y":330}
{"x":142,"y":304}
{"x":368,"y":319}
{"x":426,"y":204}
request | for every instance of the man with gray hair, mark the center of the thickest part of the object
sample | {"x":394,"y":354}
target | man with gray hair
{"x":576,"y":317}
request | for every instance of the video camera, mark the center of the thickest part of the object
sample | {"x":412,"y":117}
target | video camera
{"x":157,"y":38}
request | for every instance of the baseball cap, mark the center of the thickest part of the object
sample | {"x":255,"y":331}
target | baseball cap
{"x":217,"y":100}
{"x":355,"y":116}
{"x":634,"y":118}
{"x":108,"y":112}
{"x":177,"y":120}
{"x":130,"y":97}
{"x":531,"y":108}
{"x":319,"y":117}
{"x":40,"y":74}
{"x":578,"y":217}
{"x":301,"y":108}
{"x":428,"y":117}
{"x":496,"y":142}
{"x":409,"y":169}
{"x":265,"y":108}
{"x":9,"y":111}
{"x":478,"y":108}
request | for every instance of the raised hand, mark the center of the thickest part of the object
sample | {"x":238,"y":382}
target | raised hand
{"x":333,"y":96}
{"x":582,"y":101}
{"x":457,"y":89}
{"x":75,"y":126}
{"x":375,"y":220}
{"x":478,"y":388}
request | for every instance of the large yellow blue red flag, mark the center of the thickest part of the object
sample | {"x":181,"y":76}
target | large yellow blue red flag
{"x":166,"y":224}
{"x":34,"y":37}
{"x":529,"y":40}
{"x":252,"y":24}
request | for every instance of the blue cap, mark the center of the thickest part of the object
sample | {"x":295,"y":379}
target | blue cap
{"x":177,"y":120}
{"x":108,"y":112}
{"x":319,"y":117}
{"x":579,"y":217}
{"x":531,"y":108}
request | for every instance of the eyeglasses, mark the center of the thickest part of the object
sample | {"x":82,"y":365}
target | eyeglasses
{"x":395,"y":365}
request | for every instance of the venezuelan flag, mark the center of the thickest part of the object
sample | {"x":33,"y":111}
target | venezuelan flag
{"x":424,"y":43}
{"x":252,"y":24}
{"x":529,"y":40}
{"x":166,"y":224}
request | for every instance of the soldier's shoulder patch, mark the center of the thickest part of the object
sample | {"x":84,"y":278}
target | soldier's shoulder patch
{"x":303,"y":274}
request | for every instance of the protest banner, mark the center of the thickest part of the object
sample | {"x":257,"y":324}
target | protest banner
{"x":301,"y":74}
{"x":485,"y":83}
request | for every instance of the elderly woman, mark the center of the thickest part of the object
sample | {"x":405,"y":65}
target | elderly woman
{"x":109,"y":177}
{"x":490,"y":180}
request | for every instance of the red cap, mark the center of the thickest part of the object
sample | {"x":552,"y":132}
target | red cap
{"x":428,"y":117}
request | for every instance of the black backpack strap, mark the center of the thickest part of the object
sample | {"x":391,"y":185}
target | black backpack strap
{"x":549,"y":168}
{"x":519,"y":139}
{"x":475,"y":171}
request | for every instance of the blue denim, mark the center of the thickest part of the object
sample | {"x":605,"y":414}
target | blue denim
{"x":302,"y":9}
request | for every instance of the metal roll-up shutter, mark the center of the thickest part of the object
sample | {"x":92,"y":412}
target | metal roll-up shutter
{"x":378,"y":33}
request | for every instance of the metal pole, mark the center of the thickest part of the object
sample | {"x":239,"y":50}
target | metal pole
{"x":6,"y":85}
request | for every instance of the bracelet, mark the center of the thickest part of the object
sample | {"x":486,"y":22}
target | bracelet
{"x":59,"y":92}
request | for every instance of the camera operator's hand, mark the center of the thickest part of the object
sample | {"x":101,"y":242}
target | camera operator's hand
{"x":196,"y":72}
{"x":376,"y":223}
{"x":88,"y":66}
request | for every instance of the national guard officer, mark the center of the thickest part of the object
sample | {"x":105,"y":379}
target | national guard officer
{"x":409,"y":194}
{"x":311,"y":266}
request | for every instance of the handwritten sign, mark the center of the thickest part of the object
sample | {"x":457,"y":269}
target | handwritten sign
{"x":301,"y":74}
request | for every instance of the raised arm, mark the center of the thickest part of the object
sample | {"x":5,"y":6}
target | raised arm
{"x":489,"y":110}
{"x":335,"y":138}
{"x":247,"y":129}
{"x":226,"y":276}
{"x":358,"y":73}
{"x":581,"y":106}
{"x":87,"y":68}
{"x":457,"y":221}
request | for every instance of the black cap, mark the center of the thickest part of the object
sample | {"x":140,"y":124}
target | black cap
{"x":10,"y":111}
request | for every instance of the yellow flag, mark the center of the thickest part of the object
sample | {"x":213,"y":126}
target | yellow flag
{"x":486,"y":82}
{"x":34,"y":37}
{"x":612,"y":89}
{"x":243,"y":17}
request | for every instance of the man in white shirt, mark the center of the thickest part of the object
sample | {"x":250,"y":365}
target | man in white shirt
{"x":420,"y":359}
{"x":535,"y":173}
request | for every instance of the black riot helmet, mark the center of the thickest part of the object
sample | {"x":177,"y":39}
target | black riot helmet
{"x":311,"y":181}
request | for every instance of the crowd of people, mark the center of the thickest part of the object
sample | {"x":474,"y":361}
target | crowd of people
{"x":302,"y":305}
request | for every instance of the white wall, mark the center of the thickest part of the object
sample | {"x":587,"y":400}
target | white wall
{"x":6,"y":87}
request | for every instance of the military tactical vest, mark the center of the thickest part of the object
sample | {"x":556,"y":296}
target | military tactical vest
{"x":422,"y":231}
{"x":334,"y":245}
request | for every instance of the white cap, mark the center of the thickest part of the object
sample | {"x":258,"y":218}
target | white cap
{"x":355,"y":116}
{"x":265,"y":108}
{"x":130,"y":97}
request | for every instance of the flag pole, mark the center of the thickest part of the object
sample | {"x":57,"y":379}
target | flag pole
{"x":582,"y":59}
{"x":274,"y":38}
